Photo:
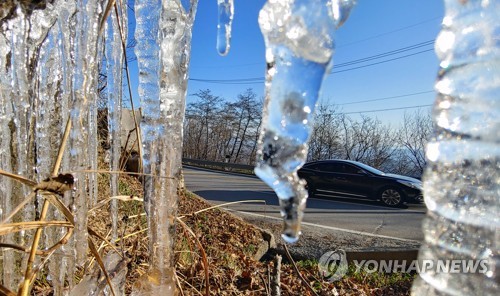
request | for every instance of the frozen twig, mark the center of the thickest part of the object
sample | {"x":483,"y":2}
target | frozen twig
{"x":275,"y":277}
{"x":298,"y":271}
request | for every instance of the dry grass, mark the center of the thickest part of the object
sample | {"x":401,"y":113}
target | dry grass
{"x":227,"y":243}
{"x":213,"y":251}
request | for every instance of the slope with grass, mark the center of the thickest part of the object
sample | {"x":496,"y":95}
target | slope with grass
{"x":214,"y":254}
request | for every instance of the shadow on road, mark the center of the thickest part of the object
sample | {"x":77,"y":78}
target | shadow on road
{"x":318,"y":204}
{"x":239,"y":195}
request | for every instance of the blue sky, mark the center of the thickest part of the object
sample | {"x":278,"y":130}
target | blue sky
{"x":374,"y":27}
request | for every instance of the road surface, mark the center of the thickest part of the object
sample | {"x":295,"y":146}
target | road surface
{"x":366,"y":217}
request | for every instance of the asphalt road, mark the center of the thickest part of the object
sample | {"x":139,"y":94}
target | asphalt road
{"x":357,"y":216}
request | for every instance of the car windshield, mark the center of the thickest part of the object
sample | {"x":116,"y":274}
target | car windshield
{"x":369,"y":168}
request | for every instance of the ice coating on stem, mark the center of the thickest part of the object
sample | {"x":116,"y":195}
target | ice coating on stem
{"x":83,"y":97}
{"x":165,"y":32}
{"x":50,"y":119}
{"x":114,"y":65}
{"x":23,"y":133}
{"x":14,"y":50}
{"x":299,"y":47}
{"x":224,"y":25}
{"x":48,"y":68}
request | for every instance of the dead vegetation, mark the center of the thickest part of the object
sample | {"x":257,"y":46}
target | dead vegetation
{"x":214,"y":250}
{"x":204,"y":238}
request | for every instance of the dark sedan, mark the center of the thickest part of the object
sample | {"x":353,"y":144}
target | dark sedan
{"x":357,"y":180}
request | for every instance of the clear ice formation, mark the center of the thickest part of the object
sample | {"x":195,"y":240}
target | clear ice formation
{"x":48,"y":66}
{"x":224,"y":25}
{"x":462,"y":180}
{"x":49,"y":59}
{"x":164,"y":30}
{"x":299,"y":37}
{"x":114,"y":90}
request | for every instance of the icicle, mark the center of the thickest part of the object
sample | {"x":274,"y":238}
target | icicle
{"x":9,"y":276}
{"x":47,"y":70}
{"x":162,"y":87}
{"x":225,"y":20}
{"x":114,"y":63}
{"x":462,"y":176}
{"x":20,"y":47}
{"x":62,"y":261}
{"x":147,"y":51}
{"x":299,"y":47}
{"x":23,"y":164}
{"x":83,"y":96}
{"x":49,"y":123}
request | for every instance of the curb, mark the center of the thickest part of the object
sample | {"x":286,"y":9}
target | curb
{"x":268,"y":244}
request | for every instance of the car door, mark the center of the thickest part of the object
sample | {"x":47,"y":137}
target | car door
{"x":319,"y":176}
{"x":330,"y":177}
{"x":341,"y":178}
{"x":354,"y":180}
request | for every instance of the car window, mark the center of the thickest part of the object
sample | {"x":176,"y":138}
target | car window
{"x":370,"y":169}
{"x":326,"y":167}
{"x":350,"y":169}
{"x":338,"y":168}
{"x":342,"y":168}
{"x":311,"y":166}
{"x":323,"y":167}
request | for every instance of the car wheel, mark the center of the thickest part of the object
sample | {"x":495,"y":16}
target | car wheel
{"x":417,"y":199}
{"x":391,"y":197}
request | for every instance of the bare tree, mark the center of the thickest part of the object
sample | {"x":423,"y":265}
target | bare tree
{"x":229,"y":132}
{"x":336,"y":135}
{"x":413,"y":136}
{"x":324,"y":142}
{"x":201,"y":117}
{"x":247,"y":110}
{"x":220,"y":132}
{"x":366,"y":140}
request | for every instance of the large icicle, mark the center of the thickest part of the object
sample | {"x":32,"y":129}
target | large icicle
{"x":462,"y":176}
{"x":162,"y":87}
{"x":299,"y":47}
{"x":224,"y":25}
{"x":62,"y":262}
{"x":23,"y":33}
{"x":50,"y":119}
{"x":114,"y":65}
{"x":83,"y":96}
{"x":9,"y":276}
{"x":48,"y":69}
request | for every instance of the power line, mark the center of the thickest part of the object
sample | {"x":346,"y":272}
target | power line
{"x":387,"y":109}
{"x":236,"y":83}
{"x":386,"y":98}
{"x":262,"y":63}
{"x":353,"y":62}
{"x":340,"y":46}
{"x":382,"y":62}
{"x":390,"y":32}
{"x":388,"y":53}
{"x":258,"y":80}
